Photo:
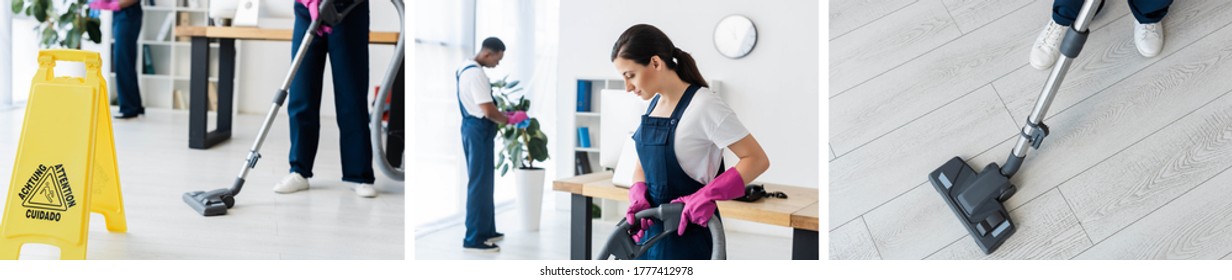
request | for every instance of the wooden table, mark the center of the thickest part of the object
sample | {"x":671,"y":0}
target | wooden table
{"x":804,"y":230}
{"x":798,"y":211}
{"x":198,"y":135}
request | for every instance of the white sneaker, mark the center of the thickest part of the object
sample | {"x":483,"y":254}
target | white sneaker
{"x":291,"y":183}
{"x":1047,"y":46}
{"x":364,"y":190}
{"x":1149,"y":38}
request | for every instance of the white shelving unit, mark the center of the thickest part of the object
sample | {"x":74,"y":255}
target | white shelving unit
{"x":591,"y":119}
{"x":170,"y":55}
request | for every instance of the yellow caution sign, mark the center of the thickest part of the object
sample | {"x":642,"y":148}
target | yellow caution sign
{"x":66,"y":163}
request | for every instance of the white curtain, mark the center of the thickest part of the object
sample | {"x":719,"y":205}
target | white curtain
{"x":24,"y":59}
{"x":541,"y":84}
{"x":6,"y":54}
{"x":437,"y":192}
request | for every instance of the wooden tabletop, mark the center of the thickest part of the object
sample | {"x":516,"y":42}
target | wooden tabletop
{"x":805,"y":218}
{"x":574,"y":184}
{"x":253,"y":33}
{"x":782,"y":212}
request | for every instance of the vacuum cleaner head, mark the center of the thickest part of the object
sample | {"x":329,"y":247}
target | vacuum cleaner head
{"x":976,"y":199}
{"x":211,"y":203}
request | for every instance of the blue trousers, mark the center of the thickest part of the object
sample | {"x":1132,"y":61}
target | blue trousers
{"x":1064,"y":12}
{"x":126,"y":25}
{"x":479,"y":145}
{"x":347,"y":48}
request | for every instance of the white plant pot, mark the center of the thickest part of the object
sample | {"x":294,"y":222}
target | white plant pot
{"x":530,"y":196}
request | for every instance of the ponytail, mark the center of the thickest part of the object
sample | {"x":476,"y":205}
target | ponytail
{"x":686,"y":68}
{"x":641,"y":42}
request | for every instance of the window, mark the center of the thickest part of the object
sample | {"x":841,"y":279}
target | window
{"x":447,"y":33}
{"x":438,"y":50}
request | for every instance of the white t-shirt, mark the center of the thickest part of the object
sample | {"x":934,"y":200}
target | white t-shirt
{"x":474,"y":88}
{"x":707,"y":127}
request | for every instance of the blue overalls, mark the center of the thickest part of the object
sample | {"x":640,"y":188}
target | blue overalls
{"x":126,"y":25}
{"x":479,"y":145}
{"x":666,"y":181}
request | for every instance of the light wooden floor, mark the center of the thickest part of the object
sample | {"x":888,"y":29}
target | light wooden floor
{"x":1136,"y":166}
{"x":551,"y":242}
{"x":156,"y":166}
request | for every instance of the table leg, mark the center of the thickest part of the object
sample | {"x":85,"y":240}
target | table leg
{"x":198,"y":96}
{"x":804,"y":244}
{"x":226,"y":88}
{"x":580,"y":227}
{"x":199,"y":137}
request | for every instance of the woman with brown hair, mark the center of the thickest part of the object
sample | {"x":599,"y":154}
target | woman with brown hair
{"x":680,"y":142}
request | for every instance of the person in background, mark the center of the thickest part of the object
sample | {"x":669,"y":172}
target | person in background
{"x":126,"y":26}
{"x":480,"y":120}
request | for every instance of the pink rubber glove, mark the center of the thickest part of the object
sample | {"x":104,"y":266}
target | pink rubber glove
{"x":699,"y":206}
{"x":106,"y":5}
{"x":637,"y":203}
{"x":314,"y":9}
{"x":516,"y":117}
{"x":641,"y":233}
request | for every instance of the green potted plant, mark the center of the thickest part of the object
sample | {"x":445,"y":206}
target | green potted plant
{"x":524,"y":144}
{"x":62,"y":23}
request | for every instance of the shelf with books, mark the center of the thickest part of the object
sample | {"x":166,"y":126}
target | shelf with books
{"x":165,"y":70}
{"x":586,"y":121}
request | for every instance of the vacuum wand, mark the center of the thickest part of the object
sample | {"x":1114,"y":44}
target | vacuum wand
{"x":977,"y":198}
{"x":1034,"y":131}
{"x":254,"y":153}
{"x":216,"y":202}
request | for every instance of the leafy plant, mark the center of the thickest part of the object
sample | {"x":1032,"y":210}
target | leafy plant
{"x":524,"y":143}
{"x":61,"y":22}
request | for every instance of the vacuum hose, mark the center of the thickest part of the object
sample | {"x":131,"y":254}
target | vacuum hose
{"x":377,"y":128}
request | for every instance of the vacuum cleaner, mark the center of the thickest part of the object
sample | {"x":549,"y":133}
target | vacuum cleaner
{"x":977,"y":197}
{"x":621,"y":246}
{"x":216,"y":202}
{"x":391,"y":161}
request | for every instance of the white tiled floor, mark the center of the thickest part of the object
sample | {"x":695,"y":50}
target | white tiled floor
{"x":156,"y":166}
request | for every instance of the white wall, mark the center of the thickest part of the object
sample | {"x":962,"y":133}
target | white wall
{"x":261,"y":65}
{"x":773,"y":90}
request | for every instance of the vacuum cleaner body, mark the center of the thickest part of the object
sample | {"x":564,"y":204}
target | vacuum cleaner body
{"x":976,"y":198}
{"x":621,"y":246}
